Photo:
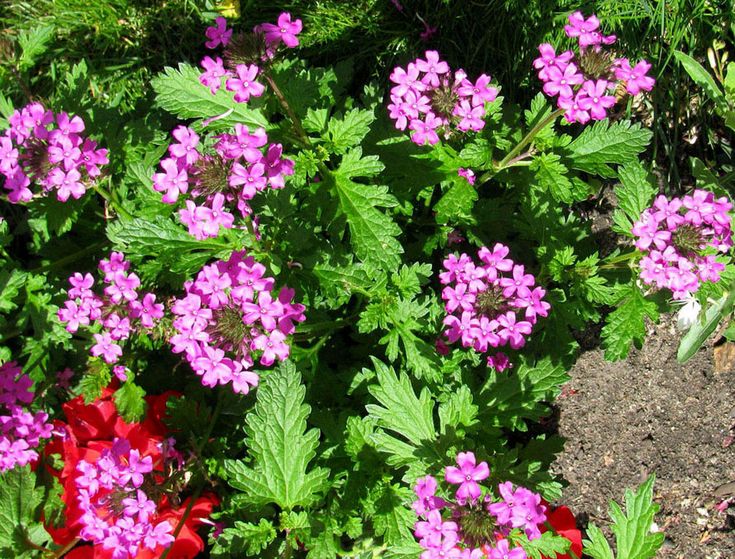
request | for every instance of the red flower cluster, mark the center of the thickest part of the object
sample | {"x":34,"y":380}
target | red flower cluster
{"x":91,"y":430}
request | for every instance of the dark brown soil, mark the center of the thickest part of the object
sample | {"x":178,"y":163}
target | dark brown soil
{"x":649,"y":414}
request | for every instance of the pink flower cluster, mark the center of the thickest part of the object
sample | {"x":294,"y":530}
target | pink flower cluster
{"x":473,"y":526}
{"x":50,"y":150}
{"x":117,"y":512}
{"x":588,"y":86}
{"x":228,"y":317}
{"x":430,"y":100}
{"x":118,"y":312}
{"x":491,"y":305}
{"x":233,"y":173}
{"x":680,"y":239}
{"x":242,"y":55}
{"x":20,"y":430}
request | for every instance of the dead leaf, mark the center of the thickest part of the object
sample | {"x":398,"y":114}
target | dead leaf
{"x":724,"y":355}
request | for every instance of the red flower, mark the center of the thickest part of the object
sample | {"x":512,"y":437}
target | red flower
{"x":563,"y":522}
{"x":92,"y":428}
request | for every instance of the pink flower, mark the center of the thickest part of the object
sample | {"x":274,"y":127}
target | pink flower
{"x":186,"y":148}
{"x":424,"y":131}
{"x":214,"y":72}
{"x":244,"y":85}
{"x":106,"y":347}
{"x":467,"y":476}
{"x":173,"y":181}
{"x":549,"y":59}
{"x":285,"y":31}
{"x":218,"y":34}
{"x":560,"y":81}
{"x":596,"y":100}
{"x":635,"y":78}
{"x":433,"y":67}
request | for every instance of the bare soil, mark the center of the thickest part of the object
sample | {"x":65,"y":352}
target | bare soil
{"x":649,"y":414}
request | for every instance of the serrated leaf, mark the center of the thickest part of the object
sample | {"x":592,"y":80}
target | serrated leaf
{"x":11,"y":283}
{"x":458,"y":410}
{"x":548,"y":545}
{"x":551,"y":176}
{"x":702,"y":329}
{"x":170,"y":245}
{"x":347,"y":131}
{"x":32,"y":44}
{"x":179,"y":92}
{"x":244,"y":538}
{"x":456,"y":205}
{"x":632,"y":529}
{"x":702,"y":78}
{"x":514,"y":399}
{"x":626,"y":324}
{"x":392,"y":519}
{"x":634,"y":193}
{"x":596,"y":546}
{"x":372,"y":233}
{"x":400,"y":410}
{"x":19,"y":499}
{"x":339,"y":282}
{"x":280,"y":446}
{"x":129,"y":401}
{"x":604,"y":144}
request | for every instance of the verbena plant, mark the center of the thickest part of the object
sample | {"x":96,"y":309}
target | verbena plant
{"x":287,"y":312}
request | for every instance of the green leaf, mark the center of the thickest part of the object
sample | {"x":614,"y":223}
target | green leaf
{"x":701,"y":330}
{"x":596,"y":546}
{"x":548,"y":545}
{"x":511,"y":400}
{"x":244,"y":538}
{"x":339,"y":282}
{"x":280,"y":446}
{"x":702,"y":78}
{"x":387,"y":508}
{"x":551,"y":175}
{"x":19,"y":499}
{"x":32,"y":44}
{"x":458,"y":410}
{"x":171,"y":246}
{"x":6,"y":110}
{"x":626,"y":324}
{"x":605,"y":143}
{"x":179,"y":92}
{"x":11,"y":283}
{"x":349,"y":130}
{"x":400,"y":410}
{"x":129,"y":401}
{"x":456,"y":205}
{"x":634,"y":193}
{"x":632,"y":529}
{"x":372,"y":233}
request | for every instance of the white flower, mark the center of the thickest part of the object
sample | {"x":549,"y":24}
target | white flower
{"x":687,"y":315}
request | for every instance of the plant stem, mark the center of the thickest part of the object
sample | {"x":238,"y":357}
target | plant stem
{"x":513,"y":158}
{"x":198,"y":452}
{"x":110,"y":199}
{"x":298,"y":127}
{"x":528,"y":138}
{"x":67,"y":548}
{"x":70,"y":258}
{"x":613,"y":262}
